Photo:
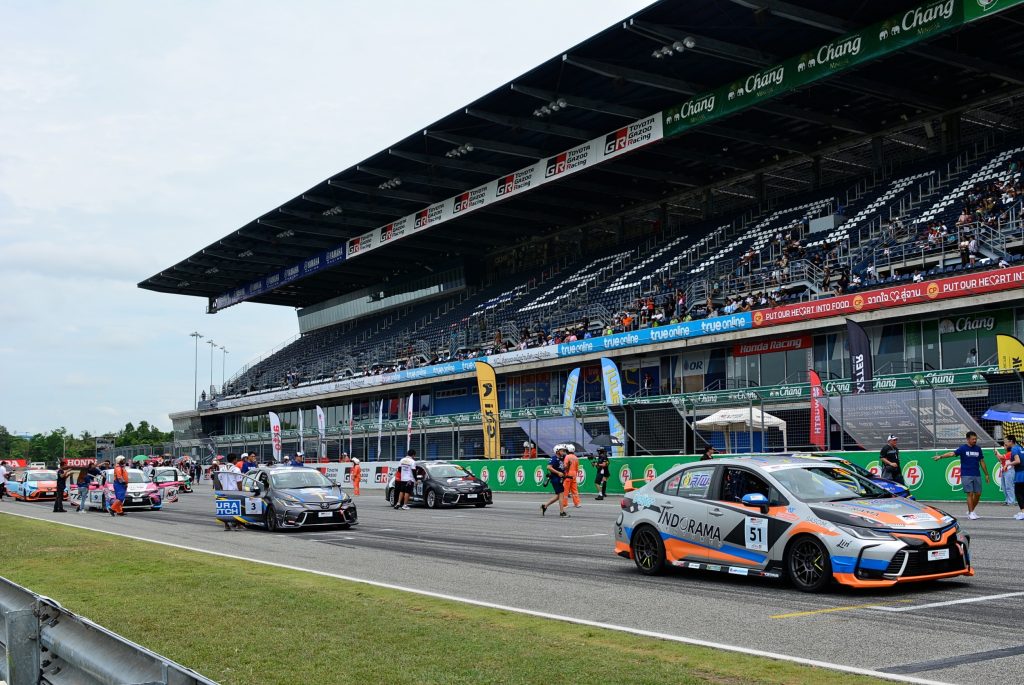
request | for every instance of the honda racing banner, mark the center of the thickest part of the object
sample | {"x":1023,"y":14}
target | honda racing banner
{"x":818,"y":433}
{"x":569,"y":402}
{"x":861,"y":366}
{"x":321,"y":431}
{"x":275,"y":435}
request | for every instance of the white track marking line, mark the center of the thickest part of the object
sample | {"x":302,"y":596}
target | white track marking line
{"x":592,"y":535}
{"x":526,"y":612}
{"x":969,"y":600}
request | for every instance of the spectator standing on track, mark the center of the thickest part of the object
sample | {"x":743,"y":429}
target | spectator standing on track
{"x":1016,"y":457}
{"x":708,"y":453}
{"x":571,"y":486}
{"x":296,"y":460}
{"x":120,"y":488}
{"x":556,"y":472}
{"x":890,"y":458}
{"x":215,"y":474}
{"x":85,"y":478}
{"x":3,"y":479}
{"x":1008,"y":477}
{"x":407,"y":472}
{"x":972,"y":465}
{"x":356,"y":474}
{"x":601,"y":463}
{"x":62,"y":486}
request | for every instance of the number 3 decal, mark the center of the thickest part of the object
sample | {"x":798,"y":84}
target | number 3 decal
{"x":755,"y":534}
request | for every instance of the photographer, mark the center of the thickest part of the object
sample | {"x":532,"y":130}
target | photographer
{"x":556,"y":472}
{"x":602,"y":464}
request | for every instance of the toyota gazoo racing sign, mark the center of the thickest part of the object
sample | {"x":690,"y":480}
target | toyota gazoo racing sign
{"x":638,"y":133}
{"x":381,"y":474}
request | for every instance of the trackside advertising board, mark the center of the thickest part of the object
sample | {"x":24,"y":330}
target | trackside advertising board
{"x":926,"y":478}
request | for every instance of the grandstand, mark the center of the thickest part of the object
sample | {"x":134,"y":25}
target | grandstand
{"x":892,"y":167}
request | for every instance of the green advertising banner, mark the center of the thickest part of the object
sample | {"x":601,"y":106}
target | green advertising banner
{"x":927,"y":479}
{"x":870,"y":43}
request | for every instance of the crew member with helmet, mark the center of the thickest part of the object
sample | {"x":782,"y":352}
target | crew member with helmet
{"x":601,"y":463}
{"x":529,"y":450}
{"x":356,"y":474}
{"x":120,"y":487}
{"x":571,"y":486}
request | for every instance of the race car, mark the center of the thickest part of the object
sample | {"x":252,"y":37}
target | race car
{"x":142,"y":494}
{"x":892,"y":486}
{"x":32,"y":485}
{"x":285,"y":497}
{"x":443,"y":483}
{"x":809,"y":521}
{"x":171,"y":477}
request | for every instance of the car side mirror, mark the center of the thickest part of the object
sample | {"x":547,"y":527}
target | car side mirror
{"x":756,"y":499}
{"x":257,"y":489}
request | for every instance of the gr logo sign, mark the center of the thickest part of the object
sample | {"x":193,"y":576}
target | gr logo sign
{"x":954,"y":477}
{"x":913,"y":475}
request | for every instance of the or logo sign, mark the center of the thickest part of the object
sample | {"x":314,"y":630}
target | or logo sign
{"x":381,"y":474}
{"x":502,"y":475}
{"x":229,"y":507}
{"x":581,"y":476}
{"x":953,"y":475}
{"x":913,"y":475}
{"x":650,"y":473}
{"x":538,"y":475}
{"x":875,"y":467}
{"x":625,"y":474}
{"x":520,"y":475}
{"x":485,"y":474}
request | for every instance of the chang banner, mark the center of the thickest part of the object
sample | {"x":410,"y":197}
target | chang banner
{"x":487,"y":384}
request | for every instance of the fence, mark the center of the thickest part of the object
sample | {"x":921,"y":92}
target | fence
{"x":45,"y":643}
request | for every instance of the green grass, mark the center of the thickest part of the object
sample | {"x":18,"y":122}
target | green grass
{"x":241,"y":622}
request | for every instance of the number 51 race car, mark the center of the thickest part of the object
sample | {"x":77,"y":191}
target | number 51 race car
{"x":804,"y":519}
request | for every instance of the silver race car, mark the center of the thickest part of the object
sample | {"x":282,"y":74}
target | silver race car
{"x":809,"y":521}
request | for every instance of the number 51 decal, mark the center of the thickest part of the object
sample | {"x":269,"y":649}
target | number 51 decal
{"x":755,"y":534}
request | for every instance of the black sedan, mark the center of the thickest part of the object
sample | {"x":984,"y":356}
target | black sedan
{"x":282,"y":497}
{"x":440,"y":483}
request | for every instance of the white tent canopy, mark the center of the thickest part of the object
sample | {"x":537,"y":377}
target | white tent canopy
{"x":742,"y":420}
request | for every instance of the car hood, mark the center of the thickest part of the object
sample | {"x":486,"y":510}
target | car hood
{"x":896,"y":512}
{"x":309,"y":495}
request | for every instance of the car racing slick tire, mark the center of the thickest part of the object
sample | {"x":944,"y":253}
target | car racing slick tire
{"x":272,"y":525}
{"x":648,"y":550}
{"x":432,"y":500}
{"x":808,"y":566}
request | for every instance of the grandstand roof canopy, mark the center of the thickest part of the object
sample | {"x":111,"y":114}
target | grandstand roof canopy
{"x":610,"y":80}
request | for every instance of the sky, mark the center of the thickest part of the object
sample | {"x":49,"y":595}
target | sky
{"x":133,"y":134}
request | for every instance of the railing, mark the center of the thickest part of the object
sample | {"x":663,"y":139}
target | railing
{"x":44,"y":642}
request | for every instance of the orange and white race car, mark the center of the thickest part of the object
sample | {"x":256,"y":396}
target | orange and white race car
{"x":773,"y":516}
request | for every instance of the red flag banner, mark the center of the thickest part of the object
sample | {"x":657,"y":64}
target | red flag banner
{"x":817,"y":411}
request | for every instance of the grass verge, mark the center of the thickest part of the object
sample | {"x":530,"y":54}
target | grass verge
{"x":241,"y":622}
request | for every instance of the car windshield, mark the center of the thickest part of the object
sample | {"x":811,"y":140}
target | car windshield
{"x":134,"y":476}
{"x":827,"y":484}
{"x":42,"y":475}
{"x":165,"y":475}
{"x":447,"y":471}
{"x":850,"y":466}
{"x":299,"y":478}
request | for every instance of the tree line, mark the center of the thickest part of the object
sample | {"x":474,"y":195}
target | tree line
{"x":51,"y":446}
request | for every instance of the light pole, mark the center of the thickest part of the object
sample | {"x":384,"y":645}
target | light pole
{"x":212,"y":345}
{"x":195,"y":372}
{"x":223,"y":361}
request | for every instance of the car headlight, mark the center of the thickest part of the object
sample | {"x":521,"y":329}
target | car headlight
{"x":865,"y":533}
{"x":290,"y":501}
{"x":448,"y":489}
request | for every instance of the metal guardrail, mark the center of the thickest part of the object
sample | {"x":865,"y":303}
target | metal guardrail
{"x":45,"y":644}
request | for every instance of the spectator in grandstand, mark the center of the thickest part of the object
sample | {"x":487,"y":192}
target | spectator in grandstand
{"x":972,"y":466}
{"x":918,"y":276}
{"x":972,"y":358}
{"x":555,"y":475}
{"x":972,"y":250}
{"x":872,"y":272}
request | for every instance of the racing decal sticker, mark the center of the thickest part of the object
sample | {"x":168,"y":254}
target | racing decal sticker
{"x":253,"y":506}
{"x":738,"y":570}
{"x":229,"y":507}
{"x":755,"y":534}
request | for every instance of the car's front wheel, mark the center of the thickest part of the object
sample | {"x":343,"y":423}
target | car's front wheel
{"x":648,"y":551}
{"x":808,"y":565}
{"x":272,"y":524}
{"x":433,"y":502}
{"x":393,"y":497}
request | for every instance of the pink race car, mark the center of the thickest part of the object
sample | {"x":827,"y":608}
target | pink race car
{"x":142,"y":494}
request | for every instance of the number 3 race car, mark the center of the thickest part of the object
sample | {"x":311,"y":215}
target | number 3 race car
{"x":809,"y":521}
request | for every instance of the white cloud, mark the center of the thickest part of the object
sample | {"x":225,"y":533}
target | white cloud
{"x":133,"y":134}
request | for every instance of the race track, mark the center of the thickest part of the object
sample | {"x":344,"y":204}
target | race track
{"x":958,"y":631}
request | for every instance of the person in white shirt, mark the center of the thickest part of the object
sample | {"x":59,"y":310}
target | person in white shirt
{"x":407,"y":477}
{"x":147,"y":471}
